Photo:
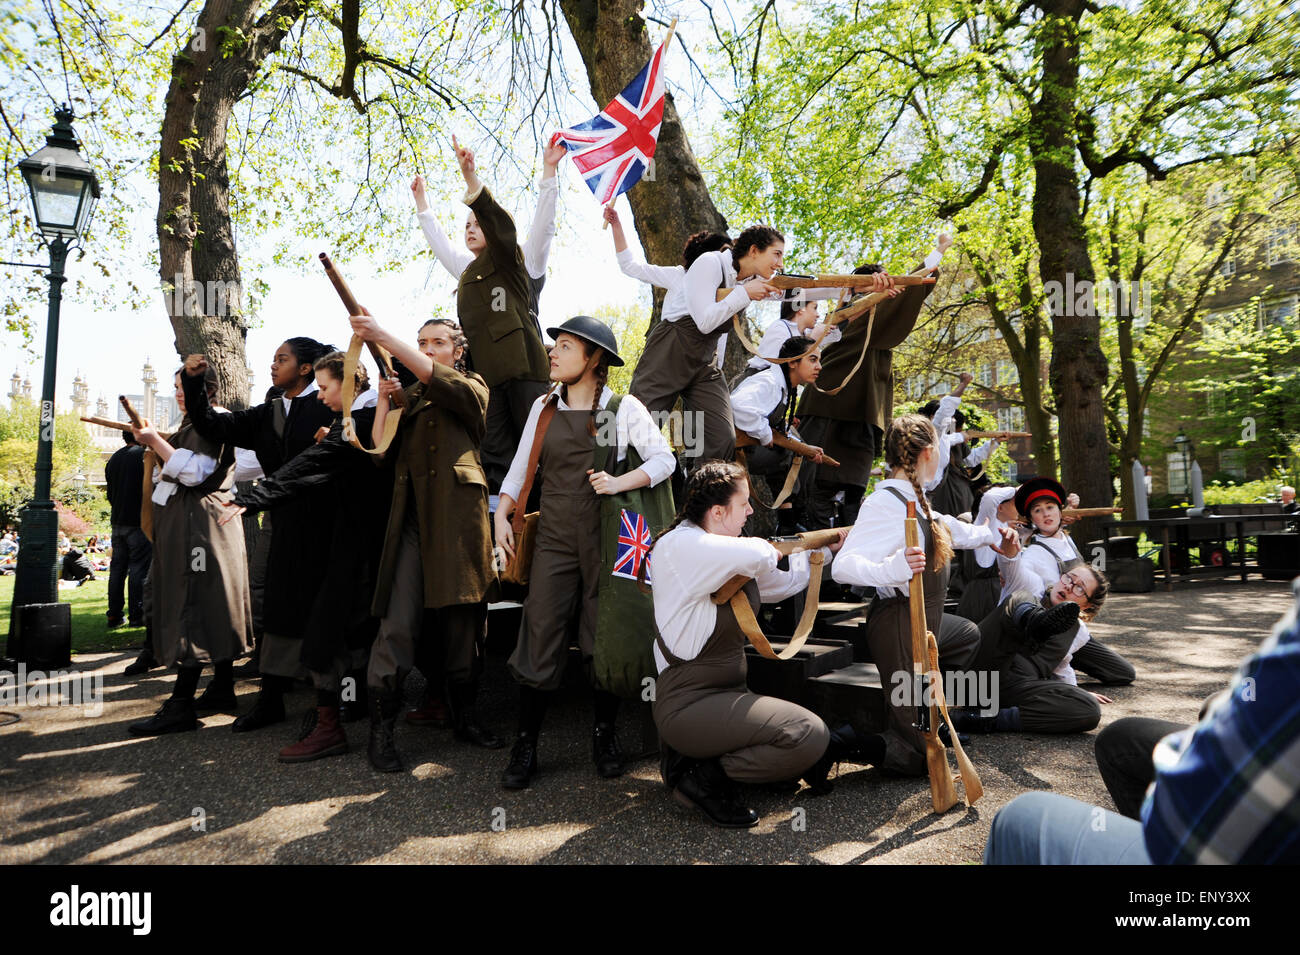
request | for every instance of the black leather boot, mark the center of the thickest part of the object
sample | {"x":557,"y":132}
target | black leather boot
{"x":465,"y":723}
{"x":384,"y":707}
{"x":706,"y":787}
{"x":143,"y":663}
{"x":176,"y":716}
{"x":605,"y":751}
{"x":672,"y":765}
{"x":267,"y":709}
{"x":523,"y":763}
{"x":217,"y":698}
{"x":1038,"y":623}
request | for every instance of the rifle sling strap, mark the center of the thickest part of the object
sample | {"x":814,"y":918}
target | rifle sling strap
{"x":749,"y":623}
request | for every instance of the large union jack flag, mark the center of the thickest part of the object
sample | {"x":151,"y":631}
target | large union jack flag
{"x":613,"y":149}
{"x":634,"y":542}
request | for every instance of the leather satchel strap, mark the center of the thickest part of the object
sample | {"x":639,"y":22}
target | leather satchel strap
{"x":534,"y":455}
{"x":749,"y":624}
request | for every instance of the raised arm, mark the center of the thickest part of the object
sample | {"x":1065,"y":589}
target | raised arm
{"x":453,"y":259}
{"x":238,"y":428}
{"x":537,"y":247}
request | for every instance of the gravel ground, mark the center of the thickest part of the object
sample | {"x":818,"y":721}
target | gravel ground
{"x":77,"y":788}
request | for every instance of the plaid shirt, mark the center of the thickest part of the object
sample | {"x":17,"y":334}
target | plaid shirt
{"x":1228,"y":789}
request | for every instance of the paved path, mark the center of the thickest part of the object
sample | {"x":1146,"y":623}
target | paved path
{"x":78,"y":789}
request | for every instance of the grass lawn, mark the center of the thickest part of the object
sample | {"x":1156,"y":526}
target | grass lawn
{"x":90,"y":631}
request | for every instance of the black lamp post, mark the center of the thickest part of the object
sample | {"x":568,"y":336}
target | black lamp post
{"x":1183,"y":445}
{"x":64,"y":189}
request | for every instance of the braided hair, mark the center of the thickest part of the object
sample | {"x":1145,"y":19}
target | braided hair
{"x":906,"y":438}
{"x":602,"y":377}
{"x":711,"y":484}
{"x":796,"y":346}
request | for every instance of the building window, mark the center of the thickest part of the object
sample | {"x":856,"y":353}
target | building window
{"x":1007,"y":372}
{"x":1215,"y":401}
{"x":1233,"y":463}
{"x":1281,"y":245}
{"x":1228,"y":267}
{"x":1279,"y":311}
{"x":985,"y":376}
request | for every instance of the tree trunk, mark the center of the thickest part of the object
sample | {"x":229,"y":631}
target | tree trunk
{"x":614,"y":43}
{"x":1078,"y":367}
{"x":199,"y":265}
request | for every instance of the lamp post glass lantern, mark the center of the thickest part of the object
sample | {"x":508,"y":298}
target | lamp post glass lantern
{"x":63,"y":190}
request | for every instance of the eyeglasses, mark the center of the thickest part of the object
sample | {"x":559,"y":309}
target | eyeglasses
{"x":1075,"y":586}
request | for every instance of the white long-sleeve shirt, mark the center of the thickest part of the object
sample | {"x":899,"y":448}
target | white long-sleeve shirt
{"x":689,"y":564}
{"x":993,"y":498}
{"x":872,"y":556}
{"x":536,"y":248}
{"x":781,"y":331}
{"x":633,"y":425}
{"x":715,"y":270}
{"x":942,"y":422}
{"x":183,"y":467}
{"x":671,"y":278}
{"x":754,"y":399}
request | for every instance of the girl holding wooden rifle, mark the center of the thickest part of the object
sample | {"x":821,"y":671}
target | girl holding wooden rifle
{"x":1049,"y":553}
{"x":876,"y":555}
{"x":437,"y":553}
{"x":277,"y":430}
{"x":199,"y":618}
{"x":566,"y":564}
{"x":714,"y":732}
{"x":671,"y":278}
{"x":678,"y":359}
{"x":496,"y":304}
{"x":763,"y":405}
{"x":340,"y":628}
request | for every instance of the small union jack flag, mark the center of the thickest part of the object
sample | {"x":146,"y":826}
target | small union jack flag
{"x":634,"y":542}
{"x":613,"y":149}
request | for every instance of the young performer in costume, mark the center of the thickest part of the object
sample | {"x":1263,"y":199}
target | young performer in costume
{"x":1049,"y":552}
{"x":713,"y":731}
{"x":763,"y":405}
{"x":997,"y":510}
{"x":340,"y":627}
{"x":678,"y":359}
{"x":566,"y":564}
{"x":437,"y":553}
{"x":199,"y":618}
{"x":671,"y":278}
{"x":850,"y":424}
{"x":951,"y":490}
{"x":876,"y":555}
{"x":1028,"y":641}
{"x":798,"y":318}
{"x":278,"y":430}
{"x":496,"y":303}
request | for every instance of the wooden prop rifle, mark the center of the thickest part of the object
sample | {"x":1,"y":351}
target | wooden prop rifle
{"x":791,"y":280}
{"x":925,"y":669}
{"x":130,"y":411}
{"x":730,"y":592}
{"x":106,"y":422}
{"x":999,"y":435}
{"x":354,"y":308}
{"x":746,"y":440}
{"x":1090,"y":511}
{"x":805,"y":540}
